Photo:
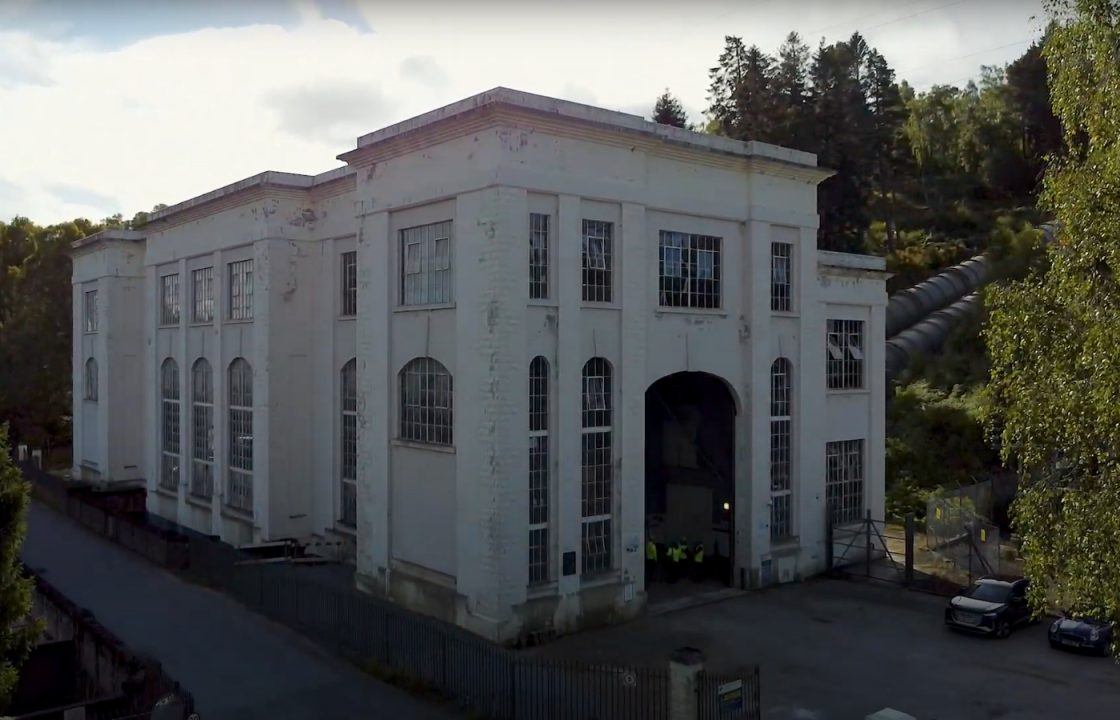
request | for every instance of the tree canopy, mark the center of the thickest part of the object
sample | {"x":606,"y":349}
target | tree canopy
{"x":1053,"y":337}
{"x":16,"y":633}
{"x":669,"y":111}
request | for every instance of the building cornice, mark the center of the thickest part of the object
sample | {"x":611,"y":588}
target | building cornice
{"x":108,"y":235}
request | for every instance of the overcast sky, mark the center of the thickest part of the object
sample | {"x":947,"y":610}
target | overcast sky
{"x":115,"y":106}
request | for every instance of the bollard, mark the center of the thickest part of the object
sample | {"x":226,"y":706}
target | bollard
{"x":685,"y":665}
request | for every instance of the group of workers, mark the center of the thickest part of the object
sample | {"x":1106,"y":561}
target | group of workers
{"x":672,"y":561}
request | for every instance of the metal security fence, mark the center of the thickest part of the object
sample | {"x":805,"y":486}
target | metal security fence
{"x":961,"y":535}
{"x":725,"y":697}
{"x":393,"y":642}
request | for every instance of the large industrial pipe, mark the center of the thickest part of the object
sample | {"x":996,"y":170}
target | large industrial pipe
{"x":914,"y":303}
{"x":927,"y":336}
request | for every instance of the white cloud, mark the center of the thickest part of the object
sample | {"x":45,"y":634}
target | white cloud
{"x":176,"y":115}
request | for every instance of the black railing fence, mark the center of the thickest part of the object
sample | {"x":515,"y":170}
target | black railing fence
{"x":393,"y":642}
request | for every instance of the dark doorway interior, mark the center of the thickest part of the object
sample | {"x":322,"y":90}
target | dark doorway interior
{"x":690,"y":470}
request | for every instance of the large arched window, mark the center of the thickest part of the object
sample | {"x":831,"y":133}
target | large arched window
{"x":239,"y":489}
{"x":90,"y":390}
{"x":169,"y":425}
{"x":202,"y":429}
{"x":538,"y":470}
{"x":426,"y":416}
{"x":781,"y":489}
{"x":348,"y":505}
{"x":598,"y":465}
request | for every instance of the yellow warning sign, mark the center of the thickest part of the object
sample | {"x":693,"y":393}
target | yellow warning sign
{"x":937,"y":513}
{"x":983,"y":535}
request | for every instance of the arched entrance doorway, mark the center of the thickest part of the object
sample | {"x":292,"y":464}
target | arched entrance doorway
{"x":690,"y":480}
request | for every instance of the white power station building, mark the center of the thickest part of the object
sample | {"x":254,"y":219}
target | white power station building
{"x":506,"y":343}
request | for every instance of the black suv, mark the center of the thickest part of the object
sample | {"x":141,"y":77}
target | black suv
{"x":990,"y":606}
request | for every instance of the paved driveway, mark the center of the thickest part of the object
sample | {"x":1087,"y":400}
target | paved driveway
{"x":236,"y":664}
{"x":832,"y":649}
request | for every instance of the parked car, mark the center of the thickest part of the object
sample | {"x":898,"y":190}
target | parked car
{"x":1081,"y":633}
{"x":990,"y":606}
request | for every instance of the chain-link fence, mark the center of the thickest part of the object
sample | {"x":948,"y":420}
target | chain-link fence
{"x":960,"y":534}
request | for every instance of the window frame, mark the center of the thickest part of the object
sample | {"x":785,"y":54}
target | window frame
{"x":202,"y":429}
{"x":597,"y":277}
{"x":539,"y":265}
{"x":90,"y":311}
{"x":782,"y":517}
{"x":239,"y":458}
{"x":540,"y":467}
{"x":781,"y":292}
{"x":845,"y":470}
{"x":170,"y":443}
{"x":348,"y":445}
{"x":597,"y":486}
{"x":426,"y":276}
{"x":89,"y":389}
{"x":239,"y":286}
{"x":170,"y":302}
{"x":695,"y":292}
{"x":425,"y":379}
{"x":845,"y":341}
{"x":348,"y":280}
{"x":202,"y":303}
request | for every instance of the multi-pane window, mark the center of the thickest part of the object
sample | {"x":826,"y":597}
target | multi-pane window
{"x":538,"y":256}
{"x":598,"y":260}
{"x":425,"y":387}
{"x":781,"y":277}
{"x":349,"y":283}
{"x":845,"y":354}
{"x":202,"y":429}
{"x":844,"y":481}
{"x":598,"y":466}
{"x":169,"y":299}
{"x":689,"y":270}
{"x":169,"y":425}
{"x":241,"y":290}
{"x":348,"y":505}
{"x":781,"y":403}
{"x":202,"y":295}
{"x":239,"y":487}
{"x":426,"y":264}
{"x":91,"y":310}
{"x":90,"y":390}
{"x":538,"y":470}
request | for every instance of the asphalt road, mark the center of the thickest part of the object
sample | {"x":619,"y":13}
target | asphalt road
{"x":840,"y":650}
{"x":236,"y":664}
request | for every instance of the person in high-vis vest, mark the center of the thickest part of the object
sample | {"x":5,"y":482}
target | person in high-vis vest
{"x":678,"y":555}
{"x":651,"y":559}
{"x":696,"y":556}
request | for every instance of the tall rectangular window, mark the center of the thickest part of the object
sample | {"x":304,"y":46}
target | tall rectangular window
{"x":202,"y":429}
{"x":689,"y":270}
{"x":239,"y":490}
{"x":348,"y":505}
{"x":598,"y":467}
{"x":845,"y":354}
{"x":91,"y":310}
{"x":169,"y":300}
{"x":169,"y":425}
{"x":241,"y":290}
{"x":538,"y":471}
{"x":538,"y":256}
{"x":202,"y":295}
{"x":425,"y":261}
{"x":598,"y":261}
{"x":781,"y":490}
{"x":349,"y":283}
{"x":781,"y":277}
{"x":844,"y":481}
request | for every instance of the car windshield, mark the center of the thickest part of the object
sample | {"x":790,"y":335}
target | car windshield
{"x":989,"y":592}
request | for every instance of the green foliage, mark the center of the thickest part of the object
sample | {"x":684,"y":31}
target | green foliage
{"x":669,"y":111}
{"x":17,"y":630}
{"x":1053,"y":337}
{"x":35,"y":328}
{"x":935,"y":438}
